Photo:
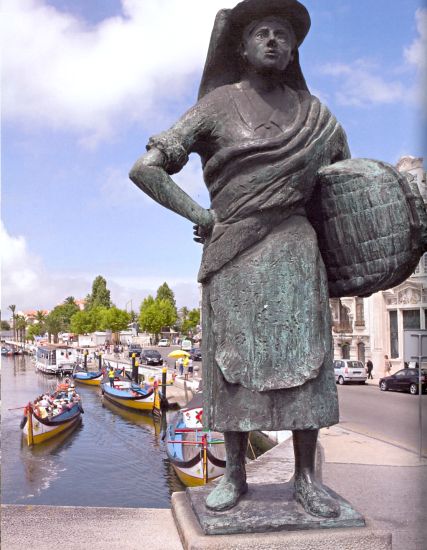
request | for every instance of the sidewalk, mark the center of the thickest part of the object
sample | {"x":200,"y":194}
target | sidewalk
{"x":385,"y":483}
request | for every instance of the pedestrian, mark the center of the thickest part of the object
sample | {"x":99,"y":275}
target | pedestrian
{"x":111,"y":376}
{"x":369,"y":367}
{"x":185,"y":364}
{"x":180,"y":366}
{"x":387,"y":366}
{"x":190,"y":367}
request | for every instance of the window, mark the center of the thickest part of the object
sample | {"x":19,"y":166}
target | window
{"x":411,"y":319}
{"x":360,"y":314}
{"x":345,"y":351}
{"x":361,"y":352}
{"x":394,"y":335}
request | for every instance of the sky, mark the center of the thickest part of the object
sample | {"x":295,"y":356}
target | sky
{"x":85,"y":83}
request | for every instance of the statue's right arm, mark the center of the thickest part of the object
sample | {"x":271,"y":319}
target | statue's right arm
{"x":149,"y":175}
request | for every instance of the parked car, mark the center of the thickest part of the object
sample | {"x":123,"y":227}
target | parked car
{"x":135,"y":348}
{"x":347,"y":370}
{"x":196,"y":354}
{"x":164,"y":343}
{"x":404,"y":380}
{"x":151,"y":357}
{"x":186,"y":345}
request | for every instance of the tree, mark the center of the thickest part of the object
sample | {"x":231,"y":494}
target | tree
{"x":84,"y":322}
{"x":20,"y":326}
{"x":12,"y":309}
{"x":100,"y":295}
{"x":166,"y":293}
{"x":155,"y":314}
{"x":35,"y":330}
{"x":5,"y":325}
{"x":113,"y":319}
{"x":193,"y":319}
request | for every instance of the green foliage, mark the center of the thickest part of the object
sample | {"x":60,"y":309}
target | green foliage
{"x":166,"y":293}
{"x":113,"y":319}
{"x":192,"y":320}
{"x":35,"y":330}
{"x":5,"y":325}
{"x":155,"y":314}
{"x":83,"y":322}
{"x":59,"y":319}
{"x":100,"y":295}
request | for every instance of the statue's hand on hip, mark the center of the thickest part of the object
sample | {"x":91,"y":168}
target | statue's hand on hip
{"x":202,"y":232}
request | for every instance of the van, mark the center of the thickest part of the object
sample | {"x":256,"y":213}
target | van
{"x":186,"y":345}
{"x":349,"y":371}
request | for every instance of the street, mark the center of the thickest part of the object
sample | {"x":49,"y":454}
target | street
{"x":388,"y":416}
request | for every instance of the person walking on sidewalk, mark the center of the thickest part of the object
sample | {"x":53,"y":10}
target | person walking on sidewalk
{"x":387,"y":366}
{"x":369,"y":367}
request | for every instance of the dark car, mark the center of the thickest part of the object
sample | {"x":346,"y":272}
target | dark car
{"x":404,"y":380}
{"x":135,"y":348}
{"x":151,"y":357}
{"x":196,"y":354}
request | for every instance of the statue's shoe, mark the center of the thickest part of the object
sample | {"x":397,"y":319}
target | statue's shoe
{"x":315,"y":500}
{"x":225,"y":495}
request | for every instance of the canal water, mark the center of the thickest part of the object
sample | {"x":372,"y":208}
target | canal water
{"x":113,"y":458}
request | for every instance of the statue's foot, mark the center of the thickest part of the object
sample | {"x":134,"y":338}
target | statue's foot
{"x":314,"y":499}
{"x":225,"y":495}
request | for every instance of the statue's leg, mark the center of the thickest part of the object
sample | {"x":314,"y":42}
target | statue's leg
{"x":308,"y":492}
{"x":233,"y":483}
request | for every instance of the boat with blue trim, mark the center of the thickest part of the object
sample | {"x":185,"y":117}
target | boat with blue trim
{"x":197,"y":455}
{"x":89,"y":378}
{"x":130,"y":395}
{"x":50,"y":415}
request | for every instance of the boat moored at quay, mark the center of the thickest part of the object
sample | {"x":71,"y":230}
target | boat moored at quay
{"x":55,"y":359}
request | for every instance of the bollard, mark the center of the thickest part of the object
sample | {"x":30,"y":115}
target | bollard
{"x":100,"y":361}
{"x":134,"y":368}
{"x":164,"y":373}
{"x":85,"y":359}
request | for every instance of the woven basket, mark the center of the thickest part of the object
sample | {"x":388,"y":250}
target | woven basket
{"x":371,"y":223}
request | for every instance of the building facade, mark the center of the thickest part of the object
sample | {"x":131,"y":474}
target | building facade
{"x":370,"y":328}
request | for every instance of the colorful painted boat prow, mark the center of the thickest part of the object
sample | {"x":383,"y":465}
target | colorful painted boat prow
{"x":197,"y":455}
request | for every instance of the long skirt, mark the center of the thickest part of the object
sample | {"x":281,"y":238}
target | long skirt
{"x":267,"y":344}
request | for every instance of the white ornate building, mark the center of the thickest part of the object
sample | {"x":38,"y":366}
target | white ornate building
{"x":369,"y":328}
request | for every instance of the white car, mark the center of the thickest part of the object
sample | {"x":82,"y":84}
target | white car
{"x":186,"y":345}
{"x":164,"y":343}
{"x":347,"y":370}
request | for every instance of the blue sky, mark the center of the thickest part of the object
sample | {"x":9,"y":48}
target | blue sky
{"x":86,"y":82}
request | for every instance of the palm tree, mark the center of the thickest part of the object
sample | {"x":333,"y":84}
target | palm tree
{"x":21,"y":325}
{"x":12,"y":309}
{"x":70,"y":300}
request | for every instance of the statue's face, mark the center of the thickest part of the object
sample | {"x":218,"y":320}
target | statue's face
{"x":268,"y":45}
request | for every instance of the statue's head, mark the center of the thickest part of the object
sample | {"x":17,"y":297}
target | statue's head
{"x":268,"y":45}
{"x":264,"y":34}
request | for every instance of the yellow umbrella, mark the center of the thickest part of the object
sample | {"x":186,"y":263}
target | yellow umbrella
{"x":178,"y":353}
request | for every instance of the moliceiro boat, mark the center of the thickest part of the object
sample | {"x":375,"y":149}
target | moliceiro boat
{"x":129,"y":395}
{"x":197,"y":455}
{"x":49,"y":415}
{"x":89,"y":378}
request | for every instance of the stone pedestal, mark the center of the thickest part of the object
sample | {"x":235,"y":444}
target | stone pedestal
{"x":269,"y":518}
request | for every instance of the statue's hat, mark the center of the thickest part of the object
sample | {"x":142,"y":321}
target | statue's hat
{"x":223,"y":62}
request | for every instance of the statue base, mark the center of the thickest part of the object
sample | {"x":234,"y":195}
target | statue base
{"x":268,"y":517}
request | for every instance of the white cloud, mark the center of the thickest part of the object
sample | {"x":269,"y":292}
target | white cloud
{"x":57,"y":71}
{"x":361,"y":85}
{"x":416,"y":53}
{"x":27,"y":283}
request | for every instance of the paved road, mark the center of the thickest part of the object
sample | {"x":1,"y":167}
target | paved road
{"x":388,"y":416}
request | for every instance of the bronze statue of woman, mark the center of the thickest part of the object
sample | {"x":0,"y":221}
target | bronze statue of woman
{"x":262,"y":137}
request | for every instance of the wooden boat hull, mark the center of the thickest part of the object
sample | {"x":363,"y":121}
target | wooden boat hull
{"x":196,"y":464}
{"x":88,"y":378}
{"x":129,"y":399}
{"x":37,"y":430}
